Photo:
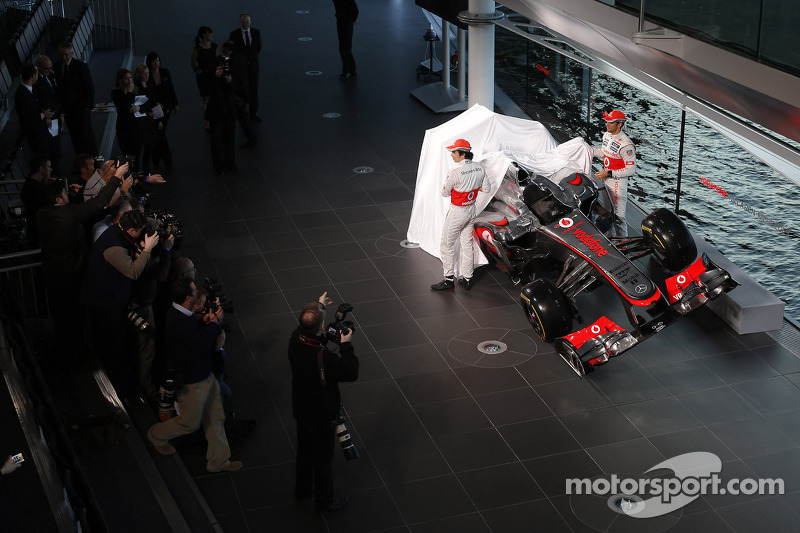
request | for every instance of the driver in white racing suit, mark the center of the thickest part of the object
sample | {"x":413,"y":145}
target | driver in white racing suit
{"x":619,"y":163}
{"x":462,"y":186}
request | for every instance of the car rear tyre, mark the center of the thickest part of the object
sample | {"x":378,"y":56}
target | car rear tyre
{"x":672,"y":243}
{"x":547,"y":309}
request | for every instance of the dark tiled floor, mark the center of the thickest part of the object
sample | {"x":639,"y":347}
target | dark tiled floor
{"x":450,"y":440}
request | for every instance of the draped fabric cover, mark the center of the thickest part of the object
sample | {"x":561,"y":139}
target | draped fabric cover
{"x":496,"y":140}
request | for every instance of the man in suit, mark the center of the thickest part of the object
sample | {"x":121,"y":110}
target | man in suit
{"x":76,"y":93}
{"x":247,"y":41}
{"x":33,"y":120}
{"x":46,"y":92}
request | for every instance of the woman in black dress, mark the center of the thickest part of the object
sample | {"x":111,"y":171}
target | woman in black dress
{"x":123,"y":96}
{"x":204,"y":62}
{"x":148,"y":126}
{"x":161,"y":80}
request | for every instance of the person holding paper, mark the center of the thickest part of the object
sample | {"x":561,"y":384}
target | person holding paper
{"x":34,"y":122}
{"x":124,"y":97}
{"x":161,"y":79}
{"x":148,"y":124}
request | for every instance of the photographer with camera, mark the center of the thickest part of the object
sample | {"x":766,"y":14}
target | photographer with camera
{"x":63,"y":255}
{"x":316,"y":401}
{"x":140,"y":311}
{"x":119,"y":257}
{"x":191,"y":344}
{"x":221,"y":116}
{"x":237,"y":66}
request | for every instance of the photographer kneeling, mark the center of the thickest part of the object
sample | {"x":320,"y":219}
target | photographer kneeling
{"x":316,"y":402}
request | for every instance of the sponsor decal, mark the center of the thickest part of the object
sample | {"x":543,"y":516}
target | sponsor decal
{"x":588,"y":239}
{"x":777,"y":226}
{"x":565,"y":223}
{"x":640,"y":288}
{"x":542,"y":69}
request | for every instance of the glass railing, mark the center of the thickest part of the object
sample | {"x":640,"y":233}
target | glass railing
{"x":763,"y":30}
{"x":733,"y":200}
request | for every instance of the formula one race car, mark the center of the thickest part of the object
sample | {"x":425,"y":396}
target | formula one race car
{"x":556,"y":225}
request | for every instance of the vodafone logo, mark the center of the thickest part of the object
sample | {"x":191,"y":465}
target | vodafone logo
{"x":471,"y":195}
{"x":681,"y":279}
{"x":565,"y":223}
{"x":595,"y":329}
{"x":486,"y":235}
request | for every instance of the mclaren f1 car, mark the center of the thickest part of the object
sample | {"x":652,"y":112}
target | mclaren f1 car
{"x":547,"y":234}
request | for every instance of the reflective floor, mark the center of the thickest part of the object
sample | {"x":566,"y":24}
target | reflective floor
{"x":451,"y":439}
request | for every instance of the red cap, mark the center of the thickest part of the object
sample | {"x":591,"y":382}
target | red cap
{"x":614,"y":116}
{"x":460,"y":144}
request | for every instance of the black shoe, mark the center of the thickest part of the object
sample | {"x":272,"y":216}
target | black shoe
{"x":344,"y":76}
{"x":444,"y":285}
{"x":465,"y":282}
{"x":255,"y":118}
{"x":336,"y":504}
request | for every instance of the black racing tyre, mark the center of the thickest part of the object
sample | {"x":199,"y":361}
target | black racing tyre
{"x":672,"y":243}
{"x":547,"y":309}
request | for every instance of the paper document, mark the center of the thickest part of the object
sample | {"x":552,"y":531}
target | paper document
{"x":138,"y":101}
{"x":53,"y":129}
{"x":158,"y":112}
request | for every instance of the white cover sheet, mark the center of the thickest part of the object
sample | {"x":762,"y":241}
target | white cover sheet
{"x":496,"y":140}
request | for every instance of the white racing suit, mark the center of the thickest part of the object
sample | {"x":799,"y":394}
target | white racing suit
{"x":619,"y":158}
{"x":462,"y":186}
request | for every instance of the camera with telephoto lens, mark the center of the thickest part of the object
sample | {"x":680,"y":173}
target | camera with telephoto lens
{"x":166,"y":224}
{"x":225,"y":62}
{"x":138,"y":321}
{"x":343,"y":434}
{"x":122,"y":159}
{"x":339,"y":325}
{"x":215,"y":296}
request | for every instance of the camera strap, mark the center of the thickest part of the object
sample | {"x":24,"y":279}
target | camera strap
{"x":321,"y":365}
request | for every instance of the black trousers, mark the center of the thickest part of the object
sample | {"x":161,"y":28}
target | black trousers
{"x":244,"y":120}
{"x":223,"y":131}
{"x":108,"y":331}
{"x":252,"y":82}
{"x":345,"y":30}
{"x":81,"y":133}
{"x":315,"y":443}
{"x":162,"y":153}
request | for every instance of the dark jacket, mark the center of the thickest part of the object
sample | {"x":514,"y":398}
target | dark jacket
{"x":311,"y":400}
{"x":127,"y":127}
{"x":165,"y":91}
{"x":221,"y":102}
{"x":46,"y":91}
{"x":239,"y":82}
{"x":61,"y":235}
{"x":190,"y":345}
{"x":75,"y":87}
{"x":32,"y":195}
{"x":346,"y":10}
{"x":110,"y":271}
{"x":31,"y":123}
{"x":251,"y":52}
